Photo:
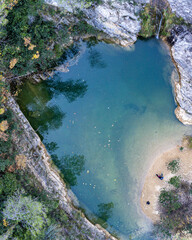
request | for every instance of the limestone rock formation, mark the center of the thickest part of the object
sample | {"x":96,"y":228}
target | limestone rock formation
{"x":118,"y":19}
{"x":183,"y":8}
{"x":182,"y":55}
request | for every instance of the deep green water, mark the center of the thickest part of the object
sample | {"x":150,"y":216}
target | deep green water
{"x":107,"y":119}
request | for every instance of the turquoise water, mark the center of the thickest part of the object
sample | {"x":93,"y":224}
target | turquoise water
{"x":107,"y":119}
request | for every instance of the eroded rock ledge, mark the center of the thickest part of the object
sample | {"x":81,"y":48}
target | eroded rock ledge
{"x":39,"y":164}
{"x":118,"y":19}
{"x":182,"y":54}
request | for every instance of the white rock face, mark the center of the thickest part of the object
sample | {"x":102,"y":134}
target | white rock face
{"x":184,"y":117}
{"x":183,"y":8}
{"x":182,"y":54}
{"x":118,"y":19}
{"x":69,"y":5}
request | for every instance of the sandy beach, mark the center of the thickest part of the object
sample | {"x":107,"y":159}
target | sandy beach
{"x":153,"y":185}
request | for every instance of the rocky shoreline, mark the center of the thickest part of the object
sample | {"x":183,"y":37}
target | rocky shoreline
{"x":39,"y":164}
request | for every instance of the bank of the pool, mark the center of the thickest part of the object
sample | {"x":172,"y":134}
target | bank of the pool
{"x":153,"y":185}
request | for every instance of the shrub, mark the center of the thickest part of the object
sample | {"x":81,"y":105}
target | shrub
{"x":26,"y":211}
{"x":175,"y":181}
{"x":148,"y":16}
{"x":151,"y":19}
{"x":52,"y":233}
{"x":175,"y":211}
{"x":190,"y":142}
{"x":173,"y":166}
{"x":1,"y":186}
{"x":181,"y":148}
{"x":8,"y":152}
{"x":10,"y":183}
{"x":169,"y":200}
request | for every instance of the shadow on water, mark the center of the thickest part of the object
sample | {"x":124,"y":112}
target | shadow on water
{"x":39,"y":112}
{"x":94,"y":56}
{"x":105,"y":211}
{"x":71,"y":89}
{"x":95,"y":59}
{"x":42,"y":115}
{"x":51,"y":147}
{"x":70,"y":167}
{"x":102,"y":215}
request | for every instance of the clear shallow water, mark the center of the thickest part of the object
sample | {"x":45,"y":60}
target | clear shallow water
{"x":114,"y":108}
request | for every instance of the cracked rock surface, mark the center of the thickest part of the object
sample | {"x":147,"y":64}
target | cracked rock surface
{"x":118,"y":19}
{"x":182,"y":55}
{"x":183,"y":8}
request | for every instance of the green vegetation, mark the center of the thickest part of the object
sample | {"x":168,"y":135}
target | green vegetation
{"x":181,"y":148}
{"x":10,"y":184}
{"x":7,"y":128}
{"x":26,"y":211}
{"x":175,"y":210}
{"x":173,"y":166}
{"x":148,"y":27}
{"x":151,"y":16}
{"x":175,"y":181}
{"x":169,"y":200}
{"x":29,"y":45}
{"x":189,"y":138}
{"x":34,"y":41}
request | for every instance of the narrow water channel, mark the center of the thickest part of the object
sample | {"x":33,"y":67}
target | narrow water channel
{"x":104,"y":122}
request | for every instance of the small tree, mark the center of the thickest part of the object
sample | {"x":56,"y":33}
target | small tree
{"x":173,"y":166}
{"x":175,"y":181}
{"x":26,"y":211}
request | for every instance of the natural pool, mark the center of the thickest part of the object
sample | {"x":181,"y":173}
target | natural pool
{"x":107,"y":119}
